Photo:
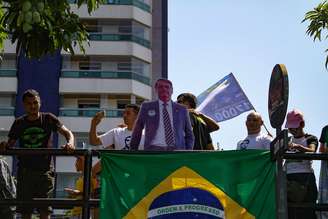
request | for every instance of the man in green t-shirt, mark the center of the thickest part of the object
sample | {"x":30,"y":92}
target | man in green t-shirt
{"x":35,"y":177}
{"x":201,"y":125}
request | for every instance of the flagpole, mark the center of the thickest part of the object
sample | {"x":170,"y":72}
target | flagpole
{"x":266,"y":129}
{"x":250,"y":103}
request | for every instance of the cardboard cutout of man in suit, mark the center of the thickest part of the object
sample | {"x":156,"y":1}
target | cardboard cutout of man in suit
{"x":167,"y":124}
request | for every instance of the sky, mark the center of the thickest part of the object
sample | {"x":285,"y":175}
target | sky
{"x":208,"y":39}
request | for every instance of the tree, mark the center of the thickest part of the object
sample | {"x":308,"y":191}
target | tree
{"x":41,"y":27}
{"x":318,"y":26}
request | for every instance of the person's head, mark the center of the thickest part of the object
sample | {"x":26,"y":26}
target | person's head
{"x":295,"y":123}
{"x":188,"y":100}
{"x":130,"y":114}
{"x":79,"y":163}
{"x":31,"y":102}
{"x":164,"y":89}
{"x":254,"y":123}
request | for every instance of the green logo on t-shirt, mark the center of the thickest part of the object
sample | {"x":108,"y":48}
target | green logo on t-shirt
{"x":33,"y":137}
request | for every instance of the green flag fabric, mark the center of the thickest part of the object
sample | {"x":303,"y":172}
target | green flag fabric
{"x":227,"y":184}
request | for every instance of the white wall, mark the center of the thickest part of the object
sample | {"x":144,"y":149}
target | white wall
{"x":8,"y":84}
{"x":82,"y":124}
{"x":118,"y":48}
{"x":6,"y":122}
{"x":9,"y":48}
{"x":115,"y":12}
{"x":96,"y":86}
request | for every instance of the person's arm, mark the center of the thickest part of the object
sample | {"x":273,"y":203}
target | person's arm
{"x":94,"y":139}
{"x":211,"y":124}
{"x":310,"y":148}
{"x":96,"y":169}
{"x":209,"y":145}
{"x":7,"y":144}
{"x":69,"y":138}
{"x":73,"y":192}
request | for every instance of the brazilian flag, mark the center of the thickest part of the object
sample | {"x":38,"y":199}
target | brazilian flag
{"x":228,"y":184}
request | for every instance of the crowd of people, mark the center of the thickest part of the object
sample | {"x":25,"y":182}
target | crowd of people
{"x":160,"y":125}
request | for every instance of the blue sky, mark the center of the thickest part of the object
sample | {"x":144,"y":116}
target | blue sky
{"x":208,"y":39}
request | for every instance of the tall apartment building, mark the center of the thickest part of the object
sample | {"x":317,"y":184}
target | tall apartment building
{"x":127,"y":52}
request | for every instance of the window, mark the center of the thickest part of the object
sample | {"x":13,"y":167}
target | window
{"x":88,"y":107}
{"x":81,"y":142}
{"x":125,"y":27}
{"x":122,"y":103}
{"x":87,"y":65}
{"x":124,"y":66}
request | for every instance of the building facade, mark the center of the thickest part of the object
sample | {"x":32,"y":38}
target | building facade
{"x":127,"y":52}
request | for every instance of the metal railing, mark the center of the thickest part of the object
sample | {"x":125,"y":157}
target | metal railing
{"x":86,"y":202}
{"x":105,"y":74}
{"x":89,"y":112}
{"x":90,"y":74}
{"x":279,"y":152}
{"x":119,"y":37}
{"x":64,"y":203}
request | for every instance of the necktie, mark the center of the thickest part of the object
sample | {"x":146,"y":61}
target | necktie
{"x":169,"y":138}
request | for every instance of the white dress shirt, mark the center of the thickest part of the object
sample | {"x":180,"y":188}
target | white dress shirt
{"x":159,"y":139}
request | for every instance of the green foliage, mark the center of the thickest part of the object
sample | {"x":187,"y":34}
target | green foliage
{"x":3,"y":34}
{"x":43,"y":26}
{"x":318,"y":26}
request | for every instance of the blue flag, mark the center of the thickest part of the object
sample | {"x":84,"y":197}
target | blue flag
{"x":224,"y":100}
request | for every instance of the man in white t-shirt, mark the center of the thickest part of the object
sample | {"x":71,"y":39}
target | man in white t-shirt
{"x":255,"y":139}
{"x":117,"y":138}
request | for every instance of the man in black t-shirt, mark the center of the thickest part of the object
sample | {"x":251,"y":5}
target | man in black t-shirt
{"x":201,"y":125}
{"x":33,"y":130}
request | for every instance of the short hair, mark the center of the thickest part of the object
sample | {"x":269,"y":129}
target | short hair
{"x":30,"y":93}
{"x":254,"y":113}
{"x":188,"y":97}
{"x":165,"y":80}
{"x":135,"y":107}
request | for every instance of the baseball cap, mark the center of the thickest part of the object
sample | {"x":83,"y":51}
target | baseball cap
{"x":294,"y":119}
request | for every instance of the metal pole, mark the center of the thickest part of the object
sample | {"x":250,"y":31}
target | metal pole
{"x":281,"y":190}
{"x":86,"y":184}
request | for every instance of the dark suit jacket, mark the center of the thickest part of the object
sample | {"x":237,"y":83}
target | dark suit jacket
{"x":148,"y":118}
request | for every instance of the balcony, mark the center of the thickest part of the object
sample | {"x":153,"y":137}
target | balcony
{"x":78,"y":119}
{"x":106,"y":75}
{"x":89,"y":112}
{"x":136,"y":3}
{"x":119,"y":37}
{"x":89,"y":74}
{"x":114,"y":48}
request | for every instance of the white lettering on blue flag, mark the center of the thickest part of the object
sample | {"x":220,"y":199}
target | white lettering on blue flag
{"x":186,"y":208}
{"x":224,"y":100}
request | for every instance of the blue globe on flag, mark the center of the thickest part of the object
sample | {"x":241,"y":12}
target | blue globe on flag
{"x":186,"y":203}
